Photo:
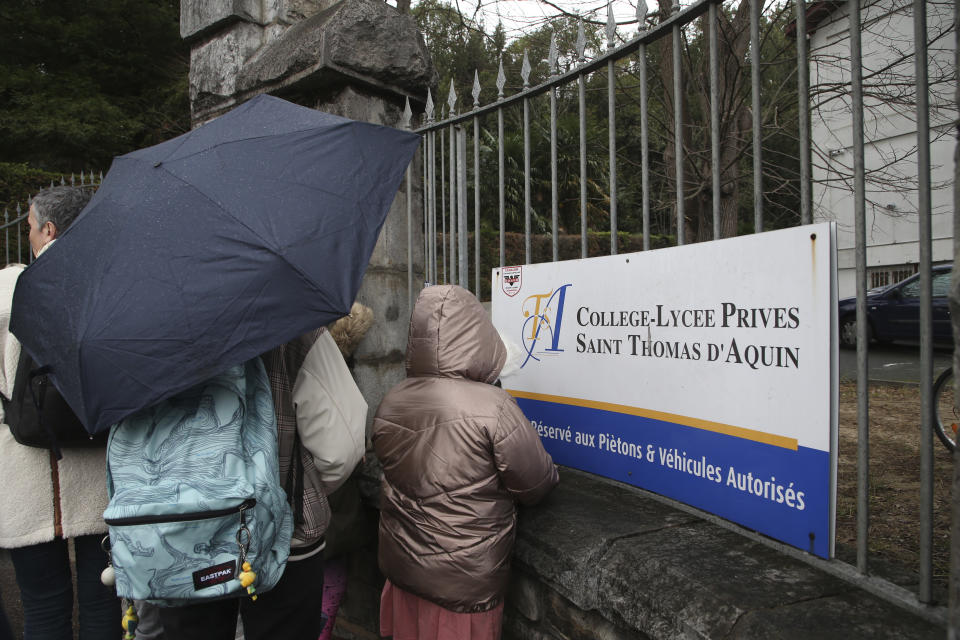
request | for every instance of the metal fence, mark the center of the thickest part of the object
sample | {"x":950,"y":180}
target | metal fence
{"x":15,"y":229}
{"x":445,"y":205}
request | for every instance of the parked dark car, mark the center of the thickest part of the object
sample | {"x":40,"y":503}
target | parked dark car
{"x":894,"y":312}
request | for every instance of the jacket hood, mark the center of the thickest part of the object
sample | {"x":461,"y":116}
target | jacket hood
{"x":451,"y":336}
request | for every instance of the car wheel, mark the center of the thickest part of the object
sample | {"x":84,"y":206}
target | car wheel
{"x":848,"y":332}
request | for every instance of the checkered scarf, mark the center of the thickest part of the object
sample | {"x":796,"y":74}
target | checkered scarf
{"x":283,"y":364}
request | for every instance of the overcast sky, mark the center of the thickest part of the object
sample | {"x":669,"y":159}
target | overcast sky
{"x":523,"y":16}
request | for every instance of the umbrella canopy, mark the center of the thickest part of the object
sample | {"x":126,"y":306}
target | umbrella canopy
{"x":207,"y":250}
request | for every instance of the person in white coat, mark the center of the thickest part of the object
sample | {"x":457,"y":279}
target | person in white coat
{"x":44,"y":502}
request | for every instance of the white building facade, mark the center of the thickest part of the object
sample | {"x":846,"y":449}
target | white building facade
{"x":890,"y":131}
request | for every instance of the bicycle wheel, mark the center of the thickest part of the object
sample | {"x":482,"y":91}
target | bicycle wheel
{"x":945,"y":416}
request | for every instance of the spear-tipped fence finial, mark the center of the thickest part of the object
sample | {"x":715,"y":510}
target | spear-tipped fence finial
{"x":476,"y":89}
{"x":501,"y":81}
{"x":641,"y":15}
{"x":430,"y":107}
{"x":525,"y":69}
{"x":452,"y":99}
{"x":552,"y":56}
{"x":611,"y":27}
{"x":581,"y":42}
{"x":407,"y":115}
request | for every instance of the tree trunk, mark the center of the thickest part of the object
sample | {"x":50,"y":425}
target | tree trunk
{"x":735,"y":123}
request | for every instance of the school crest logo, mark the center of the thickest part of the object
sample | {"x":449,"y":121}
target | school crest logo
{"x":511,"y":280}
{"x":542,"y":321}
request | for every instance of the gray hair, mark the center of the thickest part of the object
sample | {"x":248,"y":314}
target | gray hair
{"x":60,"y":205}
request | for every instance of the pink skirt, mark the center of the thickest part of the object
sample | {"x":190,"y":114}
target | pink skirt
{"x":408,"y":617}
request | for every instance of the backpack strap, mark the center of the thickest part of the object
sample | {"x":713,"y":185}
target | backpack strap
{"x":38,"y":403}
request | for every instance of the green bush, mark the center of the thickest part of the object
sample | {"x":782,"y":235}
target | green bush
{"x":19,"y":181}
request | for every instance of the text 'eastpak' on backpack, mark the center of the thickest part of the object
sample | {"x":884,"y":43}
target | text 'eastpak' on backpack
{"x":188,"y":480}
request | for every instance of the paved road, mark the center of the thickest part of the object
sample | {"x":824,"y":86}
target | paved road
{"x":893,"y":363}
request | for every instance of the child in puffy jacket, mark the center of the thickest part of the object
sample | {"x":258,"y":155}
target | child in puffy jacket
{"x":457,"y":455}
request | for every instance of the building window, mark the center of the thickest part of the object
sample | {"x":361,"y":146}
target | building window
{"x":886,"y":276}
{"x":879,"y":279}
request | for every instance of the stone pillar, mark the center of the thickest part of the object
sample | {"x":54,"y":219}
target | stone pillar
{"x":356,"y":58}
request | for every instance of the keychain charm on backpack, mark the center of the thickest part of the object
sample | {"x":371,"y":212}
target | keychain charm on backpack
{"x":130,"y":621}
{"x":247,"y":576}
{"x":108,"y":576}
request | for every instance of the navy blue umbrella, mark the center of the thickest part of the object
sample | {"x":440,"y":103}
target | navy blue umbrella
{"x":206,"y":250}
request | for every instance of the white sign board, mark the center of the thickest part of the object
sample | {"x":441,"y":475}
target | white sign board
{"x":706,"y":373}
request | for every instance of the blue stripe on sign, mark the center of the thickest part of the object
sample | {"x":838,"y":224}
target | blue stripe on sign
{"x":778,"y":492}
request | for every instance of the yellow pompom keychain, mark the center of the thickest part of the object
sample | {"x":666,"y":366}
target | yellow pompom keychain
{"x":247,"y":577}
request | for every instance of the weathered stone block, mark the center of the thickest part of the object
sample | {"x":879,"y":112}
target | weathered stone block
{"x":732,"y":574}
{"x":386,"y":293}
{"x":391,"y":250}
{"x":272,"y":11}
{"x":561,"y":538}
{"x":516,"y":627}
{"x":350,"y":101}
{"x":375,"y":378}
{"x":200,"y":17}
{"x":863,"y":617}
{"x":373,"y":39}
{"x":575,"y":623}
{"x":272,"y":32}
{"x":562,"y":620}
{"x":367,"y":41}
{"x":296,"y":10}
{"x":215,"y":64}
{"x":526,"y":595}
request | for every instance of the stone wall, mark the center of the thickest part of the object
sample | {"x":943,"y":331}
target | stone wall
{"x":599,"y":560}
{"x":240,"y":48}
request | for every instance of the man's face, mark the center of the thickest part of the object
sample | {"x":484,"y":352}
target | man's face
{"x":39,"y":236}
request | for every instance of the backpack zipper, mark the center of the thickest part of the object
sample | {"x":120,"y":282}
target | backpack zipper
{"x":249,"y":503}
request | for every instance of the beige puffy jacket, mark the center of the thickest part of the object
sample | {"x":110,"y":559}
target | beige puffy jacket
{"x":457,"y":454}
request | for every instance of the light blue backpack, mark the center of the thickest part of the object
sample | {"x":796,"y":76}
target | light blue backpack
{"x":194,"y":492}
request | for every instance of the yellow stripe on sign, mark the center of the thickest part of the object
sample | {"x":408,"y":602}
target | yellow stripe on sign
{"x":696,"y":423}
